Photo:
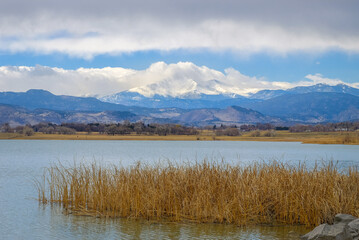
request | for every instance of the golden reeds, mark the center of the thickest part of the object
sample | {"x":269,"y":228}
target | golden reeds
{"x":207,"y":191}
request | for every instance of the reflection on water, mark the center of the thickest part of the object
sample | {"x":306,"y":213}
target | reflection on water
{"x":78,"y":227}
{"x":21,"y":216}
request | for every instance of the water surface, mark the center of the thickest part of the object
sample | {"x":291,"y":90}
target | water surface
{"x":22,"y":217}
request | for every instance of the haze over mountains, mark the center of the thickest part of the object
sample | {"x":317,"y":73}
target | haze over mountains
{"x":308,"y":104}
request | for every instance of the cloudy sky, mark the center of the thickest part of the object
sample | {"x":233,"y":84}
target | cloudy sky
{"x":86,"y":47}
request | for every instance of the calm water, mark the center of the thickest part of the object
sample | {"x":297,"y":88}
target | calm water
{"x":21,"y":217}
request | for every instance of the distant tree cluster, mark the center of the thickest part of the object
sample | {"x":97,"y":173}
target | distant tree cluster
{"x":83,"y":127}
{"x":29,"y":130}
{"x":26,"y":130}
{"x":223,"y":130}
{"x":49,"y":128}
{"x":268,"y":133}
{"x":111,"y":129}
{"x":329,"y":127}
{"x":149,"y":129}
{"x":229,"y":131}
{"x":258,"y":126}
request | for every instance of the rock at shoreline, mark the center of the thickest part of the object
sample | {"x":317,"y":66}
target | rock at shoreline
{"x":354,"y":228}
{"x":345,"y":227}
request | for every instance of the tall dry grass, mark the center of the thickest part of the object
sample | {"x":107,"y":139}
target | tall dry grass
{"x":214,"y":192}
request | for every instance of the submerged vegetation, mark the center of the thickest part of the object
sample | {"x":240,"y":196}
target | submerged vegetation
{"x":207,"y":192}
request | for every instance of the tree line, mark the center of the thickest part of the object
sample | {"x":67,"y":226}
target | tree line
{"x":141,"y":128}
{"x":328,"y":127}
{"x":110,"y":129}
{"x":123,"y":128}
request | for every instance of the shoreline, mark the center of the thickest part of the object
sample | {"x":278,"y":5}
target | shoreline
{"x":347,"y":138}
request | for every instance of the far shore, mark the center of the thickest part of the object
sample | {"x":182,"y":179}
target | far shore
{"x":350,"y":138}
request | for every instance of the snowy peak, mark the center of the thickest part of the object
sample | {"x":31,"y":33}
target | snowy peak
{"x":167,"y":87}
{"x":184,"y":88}
{"x":188,"y":101}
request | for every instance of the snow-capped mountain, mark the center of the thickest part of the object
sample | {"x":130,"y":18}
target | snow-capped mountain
{"x":340,"y":88}
{"x":185,"y":102}
{"x":186,"y":88}
{"x":219,"y":95}
{"x":186,"y":93}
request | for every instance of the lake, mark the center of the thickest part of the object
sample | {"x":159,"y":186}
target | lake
{"x":22,"y":217}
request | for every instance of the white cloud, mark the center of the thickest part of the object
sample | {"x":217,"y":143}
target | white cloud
{"x":88,"y":28}
{"x":161,"y":78}
{"x":318,"y":78}
{"x":69,"y":82}
{"x":313,"y":79}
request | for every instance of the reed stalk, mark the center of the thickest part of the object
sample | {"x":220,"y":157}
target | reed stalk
{"x":205,"y":192}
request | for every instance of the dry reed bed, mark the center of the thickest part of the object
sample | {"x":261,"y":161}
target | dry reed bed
{"x":214,"y":192}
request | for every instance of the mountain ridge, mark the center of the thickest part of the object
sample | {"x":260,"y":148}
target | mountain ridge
{"x":34,"y":98}
{"x":310,"y":107}
{"x":130,"y":98}
{"x":320,"y":87}
{"x":16,"y":115}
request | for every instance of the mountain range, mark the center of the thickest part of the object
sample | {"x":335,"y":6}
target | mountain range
{"x":16,"y":115}
{"x":201,"y":100}
{"x":308,"y":104}
{"x":184,"y":101}
{"x":340,"y":88}
{"x":312,"y":107}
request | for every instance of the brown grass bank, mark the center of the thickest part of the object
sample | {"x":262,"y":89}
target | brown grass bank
{"x":214,"y":192}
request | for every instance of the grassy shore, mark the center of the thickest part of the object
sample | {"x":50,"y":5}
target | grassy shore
{"x":205,"y":192}
{"x":281,"y":136}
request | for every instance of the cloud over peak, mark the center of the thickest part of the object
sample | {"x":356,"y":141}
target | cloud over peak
{"x":174,"y":80}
